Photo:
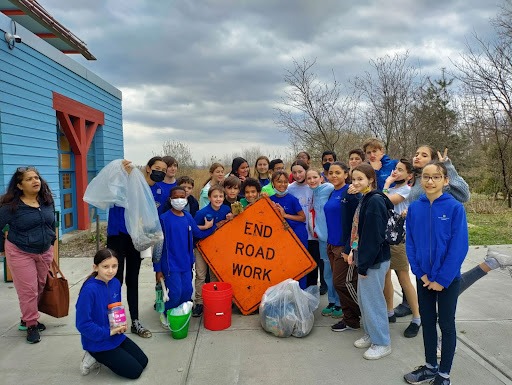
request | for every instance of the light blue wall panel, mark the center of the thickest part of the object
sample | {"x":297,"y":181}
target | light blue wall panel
{"x":28,"y":121}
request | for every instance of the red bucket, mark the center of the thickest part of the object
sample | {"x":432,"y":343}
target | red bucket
{"x":217,"y":297}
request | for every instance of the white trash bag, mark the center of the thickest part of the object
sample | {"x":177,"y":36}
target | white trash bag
{"x":141,"y":216}
{"x":287,"y":310}
{"x":108,"y":188}
{"x":114,"y":186}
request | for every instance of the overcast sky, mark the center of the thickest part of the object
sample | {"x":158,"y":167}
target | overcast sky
{"x":210,"y":73}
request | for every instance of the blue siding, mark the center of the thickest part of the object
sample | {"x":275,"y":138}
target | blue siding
{"x":28,"y":123}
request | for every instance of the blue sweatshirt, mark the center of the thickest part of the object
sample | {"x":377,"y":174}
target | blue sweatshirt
{"x":160,"y":195}
{"x":177,"y":253}
{"x":437,"y":238}
{"x":92,"y":314}
{"x":116,"y":223}
{"x":291,"y":205}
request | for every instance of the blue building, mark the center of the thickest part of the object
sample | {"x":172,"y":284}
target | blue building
{"x":55,"y":114}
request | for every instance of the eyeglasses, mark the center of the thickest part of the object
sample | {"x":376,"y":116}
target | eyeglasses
{"x":435,"y":178}
{"x":25,"y":169}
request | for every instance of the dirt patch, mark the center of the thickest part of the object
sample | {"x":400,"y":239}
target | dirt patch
{"x":82,"y":244}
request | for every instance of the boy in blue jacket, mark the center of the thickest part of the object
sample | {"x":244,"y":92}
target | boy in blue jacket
{"x":436,"y":244}
{"x":175,"y":266}
{"x":381,"y":163}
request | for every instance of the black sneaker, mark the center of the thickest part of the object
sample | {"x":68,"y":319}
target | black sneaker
{"x":197,"y":311}
{"x":420,"y":375}
{"x":23,"y":326}
{"x":33,"y":336}
{"x":412,"y":330}
{"x":341,"y":327}
{"x":440,"y":380}
{"x":402,"y":310}
{"x":392,"y":319}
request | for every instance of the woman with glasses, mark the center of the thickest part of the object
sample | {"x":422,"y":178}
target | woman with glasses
{"x":27,"y":207}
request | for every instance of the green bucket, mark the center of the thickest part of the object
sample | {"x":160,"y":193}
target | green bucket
{"x":178,"y":324}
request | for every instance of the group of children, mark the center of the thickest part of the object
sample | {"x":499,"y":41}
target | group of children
{"x":340,"y":215}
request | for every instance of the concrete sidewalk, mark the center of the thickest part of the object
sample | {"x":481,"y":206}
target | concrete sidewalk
{"x":245,"y":354}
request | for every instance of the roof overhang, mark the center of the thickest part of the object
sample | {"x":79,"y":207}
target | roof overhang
{"x":31,"y":15}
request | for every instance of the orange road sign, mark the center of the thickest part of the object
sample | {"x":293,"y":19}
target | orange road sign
{"x":255,"y":250}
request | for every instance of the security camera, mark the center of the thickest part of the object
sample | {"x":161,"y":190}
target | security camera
{"x":10,"y":38}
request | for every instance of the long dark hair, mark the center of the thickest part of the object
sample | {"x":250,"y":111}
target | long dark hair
{"x":13,"y":194}
{"x":99,"y":257}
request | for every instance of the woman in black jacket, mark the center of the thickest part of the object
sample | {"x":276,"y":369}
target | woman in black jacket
{"x":28,"y":209}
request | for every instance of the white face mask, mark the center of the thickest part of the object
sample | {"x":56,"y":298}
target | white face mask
{"x":179,"y":203}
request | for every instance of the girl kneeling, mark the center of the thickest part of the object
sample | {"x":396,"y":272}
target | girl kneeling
{"x":104,"y":344}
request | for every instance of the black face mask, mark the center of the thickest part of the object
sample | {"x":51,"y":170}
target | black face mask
{"x":157,"y":176}
{"x":326,"y":166}
{"x":399,"y":181}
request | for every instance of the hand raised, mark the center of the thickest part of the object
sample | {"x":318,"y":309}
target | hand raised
{"x":442,"y":158}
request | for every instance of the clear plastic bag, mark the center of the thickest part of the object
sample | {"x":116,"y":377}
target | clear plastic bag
{"x":108,"y":188}
{"x":287,"y":310}
{"x":141,"y":216}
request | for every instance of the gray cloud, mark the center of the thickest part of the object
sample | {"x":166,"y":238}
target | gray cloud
{"x":209,"y":73}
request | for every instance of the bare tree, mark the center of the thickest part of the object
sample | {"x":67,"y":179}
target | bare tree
{"x":314,"y":114}
{"x":388,"y":96}
{"x":180,"y":151}
{"x":486,"y":72}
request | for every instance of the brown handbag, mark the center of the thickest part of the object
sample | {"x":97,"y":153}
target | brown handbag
{"x":54,"y":299}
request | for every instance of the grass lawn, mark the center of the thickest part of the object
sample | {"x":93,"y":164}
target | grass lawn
{"x":490,"y":229}
{"x":489,"y":221}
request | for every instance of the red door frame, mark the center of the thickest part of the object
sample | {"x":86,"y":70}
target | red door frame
{"x":79,"y":123}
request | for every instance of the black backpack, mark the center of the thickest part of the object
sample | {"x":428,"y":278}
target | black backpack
{"x":395,"y":228}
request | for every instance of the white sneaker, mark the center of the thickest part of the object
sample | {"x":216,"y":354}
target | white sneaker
{"x":503,"y":260}
{"x":377,"y":351}
{"x":364,"y":342}
{"x":163,"y":321}
{"x":88,"y":363}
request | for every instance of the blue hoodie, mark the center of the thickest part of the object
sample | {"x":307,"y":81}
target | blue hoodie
{"x":92,"y":314}
{"x":437,"y":238}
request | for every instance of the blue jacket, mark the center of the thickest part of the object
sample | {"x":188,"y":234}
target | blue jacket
{"x":92,"y":314}
{"x":437,"y":238}
{"x":388,"y":165}
{"x":31,"y":229}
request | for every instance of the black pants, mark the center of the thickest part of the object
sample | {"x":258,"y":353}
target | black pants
{"x":439,"y":306}
{"x":312,"y":277}
{"x":127,"y":360}
{"x":123,"y":246}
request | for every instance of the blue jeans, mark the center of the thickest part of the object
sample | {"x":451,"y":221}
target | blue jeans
{"x":374,"y":314}
{"x":443,"y":304}
{"x":332,"y":296}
